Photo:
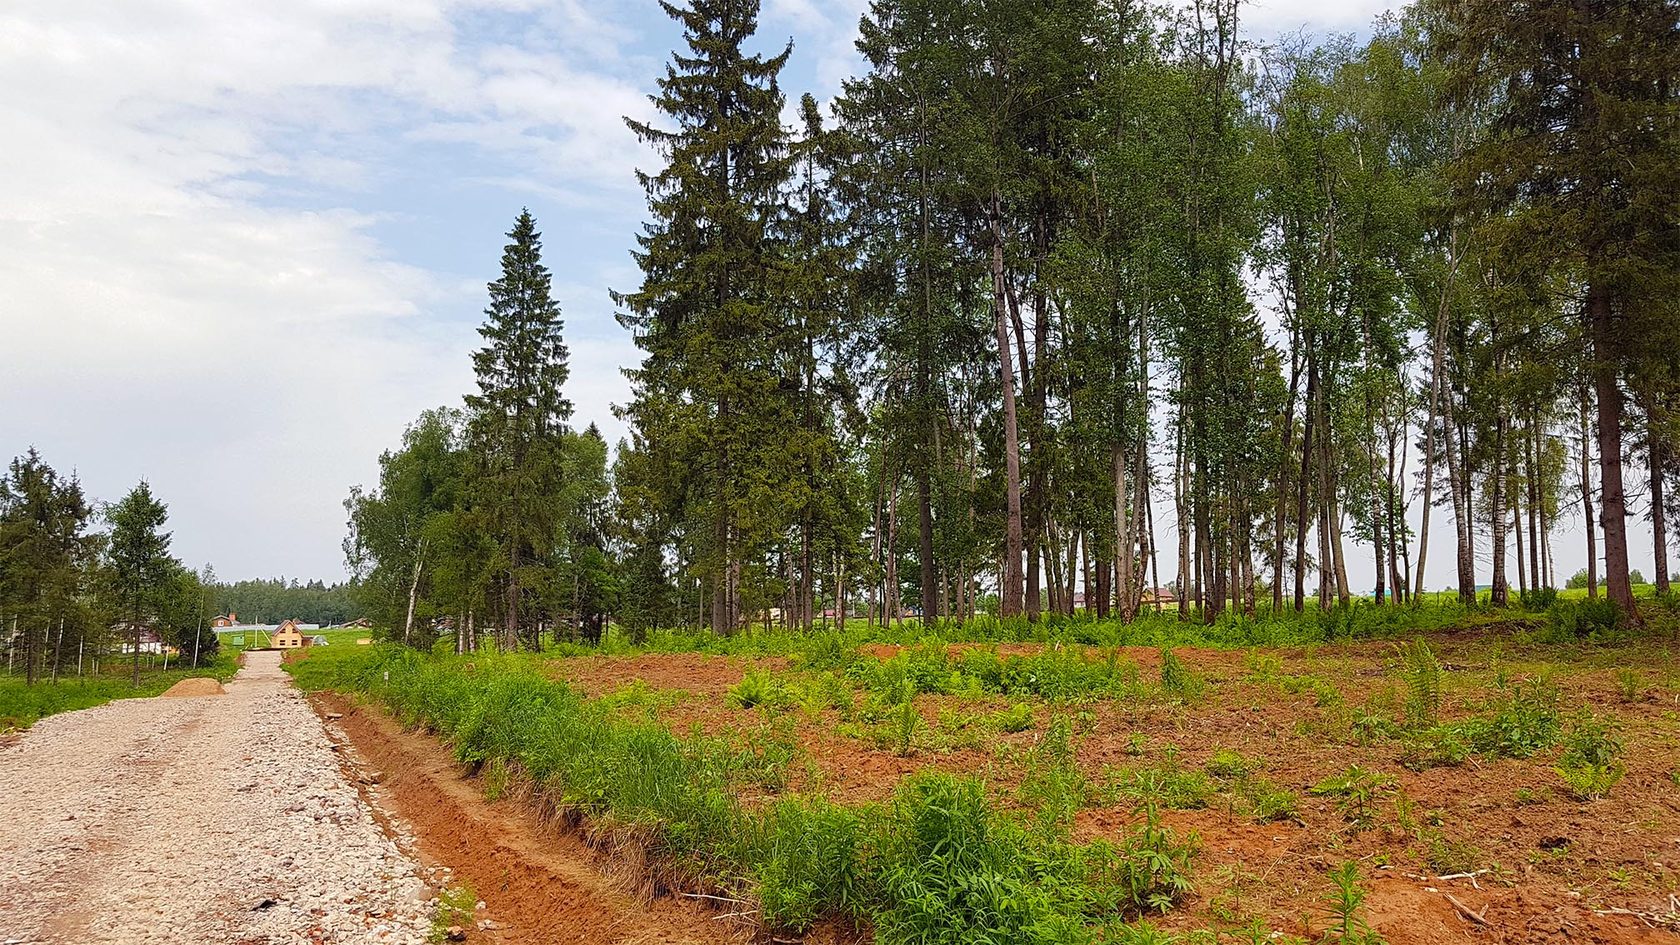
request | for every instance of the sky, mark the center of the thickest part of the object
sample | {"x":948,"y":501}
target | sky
{"x":243,"y":244}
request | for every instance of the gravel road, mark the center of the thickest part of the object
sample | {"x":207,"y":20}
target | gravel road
{"x":217,"y":819}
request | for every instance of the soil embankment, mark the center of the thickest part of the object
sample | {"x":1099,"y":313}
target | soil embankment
{"x":540,"y":883}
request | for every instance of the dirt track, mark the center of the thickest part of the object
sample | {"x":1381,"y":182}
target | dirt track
{"x":220,"y":819}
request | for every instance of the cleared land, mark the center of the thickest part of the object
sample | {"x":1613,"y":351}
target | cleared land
{"x":211,"y":819}
{"x":1487,"y":788}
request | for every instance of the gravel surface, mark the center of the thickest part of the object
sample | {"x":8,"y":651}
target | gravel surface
{"x":219,"y":819}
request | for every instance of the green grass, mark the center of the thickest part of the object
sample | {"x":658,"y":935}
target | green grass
{"x":937,"y":864}
{"x":22,"y":704}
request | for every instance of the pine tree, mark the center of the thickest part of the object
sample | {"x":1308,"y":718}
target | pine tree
{"x":710,"y":389}
{"x":517,"y":420}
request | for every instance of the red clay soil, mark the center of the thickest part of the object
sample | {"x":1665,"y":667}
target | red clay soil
{"x":540,"y":883}
{"x":699,"y":673}
{"x":1562,"y":867}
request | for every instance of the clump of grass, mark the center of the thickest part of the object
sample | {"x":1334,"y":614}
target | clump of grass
{"x":1436,"y":747}
{"x":1229,"y":763}
{"x":1267,"y":801}
{"x":1164,"y":785}
{"x":812,"y":865}
{"x":1628,"y":684}
{"x":906,"y":720}
{"x":1591,"y":761}
{"x":1053,"y":783}
{"x":455,"y":908}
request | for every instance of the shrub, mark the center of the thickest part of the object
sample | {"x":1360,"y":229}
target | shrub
{"x":1540,"y":599}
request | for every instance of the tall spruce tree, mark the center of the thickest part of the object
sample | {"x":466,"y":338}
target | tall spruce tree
{"x":710,"y":389}
{"x":517,"y":420}
{"x":141,"y":567}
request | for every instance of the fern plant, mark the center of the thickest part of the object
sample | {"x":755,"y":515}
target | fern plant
{"x":1423,"y":683}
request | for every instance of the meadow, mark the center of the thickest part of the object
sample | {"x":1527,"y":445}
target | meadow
{"x":1311,"y":777}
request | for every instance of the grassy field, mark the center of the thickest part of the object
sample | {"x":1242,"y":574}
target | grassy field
{"x":22,"y":705}
{"x":1076,"y":780}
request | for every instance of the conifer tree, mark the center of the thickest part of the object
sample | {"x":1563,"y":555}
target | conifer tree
{"x":710,"y":388}
{"x":43,"y":544}
{"x":517,"y":420}
{"x":140,"y":563}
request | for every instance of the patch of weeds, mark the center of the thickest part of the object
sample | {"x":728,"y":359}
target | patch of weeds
{"x":1346,"y":905}
{"x":1368,"y":725}
{"x":810,"y":864}
{"x":1528,"y":797}
{"x":1591,"y":761}
{"x":1441,"y":746}
{"x":1230,"y":764}
{"x":1152,"y":871}
{"x":1016,"y":718}
{"x":819,"y":691}
{"x":493,"y":778}
{"x":759,"y":688}
{"x":1629,"y":685}
{"x":1178,"y":680}
{"x":1446,"y":855}
{"x":455,"y":909}
{"x":905,"y":720}
{"x":1136,"y":744}
{"x":1358,"y":790}
{"x":1266,"y":801}
{"x":1053,"y":783}
{"x":1165,"y":785}
{"x":1592,"y":619}
{"x":1525,"y":719}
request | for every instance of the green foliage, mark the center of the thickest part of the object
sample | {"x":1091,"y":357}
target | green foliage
{"x":1525,"y":719}
{"x":1590,"y":619}
{"x":1591,"y":761}
{"x":1177,"y":680}
{"x":1016,"y":718}
{"x":1165,"y":785}
{"x":1357,"y":791}
{"x":1346,"y":902}
{"x":457,"y":907}
{"x":1422,"y":674}
{"x":1232,"y":764}
{"x":1628,"y":684}
{"x":812,"y":863}
{"x":758,"y":688}
{"x":1053,"y":783}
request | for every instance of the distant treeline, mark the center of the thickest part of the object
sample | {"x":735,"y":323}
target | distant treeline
{"x":275,"y":599}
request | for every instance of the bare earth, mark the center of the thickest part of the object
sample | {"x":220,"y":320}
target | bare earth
{"x":219,"y":819}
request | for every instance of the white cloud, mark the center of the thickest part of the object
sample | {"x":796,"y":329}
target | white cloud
{"x":162,"y":317}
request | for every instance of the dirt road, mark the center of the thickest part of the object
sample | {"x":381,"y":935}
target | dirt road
{"x":218,"y":819}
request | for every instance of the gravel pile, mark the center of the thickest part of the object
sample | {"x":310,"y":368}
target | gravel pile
{"x":220,"y":820}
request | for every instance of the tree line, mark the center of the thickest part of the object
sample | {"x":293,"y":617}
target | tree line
{"x":1048,"y":271}
{"x":71,"y":592}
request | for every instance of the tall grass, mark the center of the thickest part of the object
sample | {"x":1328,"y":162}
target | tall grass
{"x":937,"y":864}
